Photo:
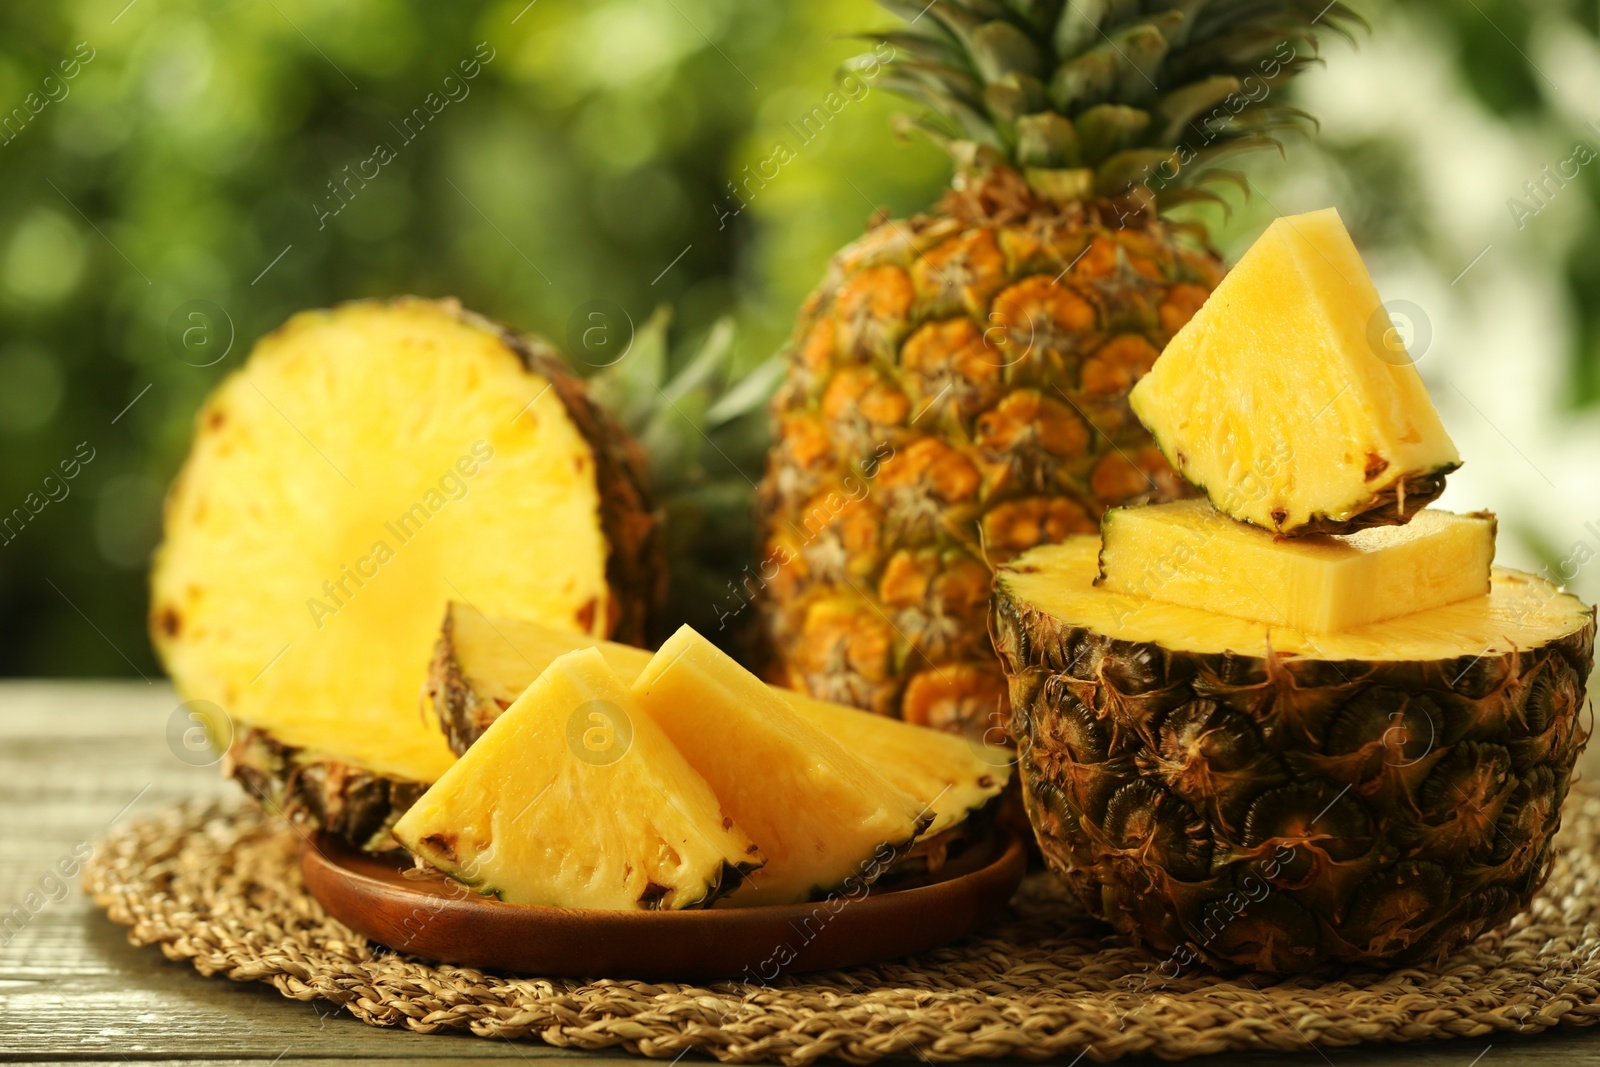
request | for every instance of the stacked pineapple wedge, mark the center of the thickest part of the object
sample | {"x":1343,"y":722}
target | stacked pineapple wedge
{"x":1306,"y":720}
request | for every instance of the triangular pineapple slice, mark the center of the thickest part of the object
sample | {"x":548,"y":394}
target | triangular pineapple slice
{"x":823,"y":817}
{"x":576,"y":798}
{"x":1288,"y":398}
{"x":480,"y":665}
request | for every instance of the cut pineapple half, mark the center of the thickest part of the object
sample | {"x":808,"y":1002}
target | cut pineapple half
{"x":364,"y":466}
{"x":1287,"y":398}
{"x":1189,"y":553}
{"x":1519,"y":611}
{"x":823,"y":817}
{"x":576,"y":798}
{"x":481,"y":665}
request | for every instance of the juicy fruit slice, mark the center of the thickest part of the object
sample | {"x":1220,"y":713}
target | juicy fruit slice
{"x":481,"y":665}
{"x":1383,"y":797}
{"x":367,"y":464}
{"x":822,"y":816}
{"x":1190,"y":553}
{"x":1288,"y":398}
{"x":576,"y":798}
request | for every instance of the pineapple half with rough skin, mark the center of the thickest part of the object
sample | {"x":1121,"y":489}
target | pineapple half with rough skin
{"x":365,"y":465}
{"x":957,"y":387}
{"x":575,"y":798}
{"x":481,"y":665}
{"x":1287,"y":397}
{"x":1237,"y":793}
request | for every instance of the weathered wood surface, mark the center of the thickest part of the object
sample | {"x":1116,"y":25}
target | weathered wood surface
{"x":76,"y":756}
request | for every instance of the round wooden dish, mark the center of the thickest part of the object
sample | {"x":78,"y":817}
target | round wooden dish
{"x":439,"y":920}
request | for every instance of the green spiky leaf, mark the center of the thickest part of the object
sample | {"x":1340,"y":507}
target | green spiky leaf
{"x":1199,"y":78}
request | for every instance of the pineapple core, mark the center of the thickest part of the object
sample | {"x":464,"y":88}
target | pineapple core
{"x":1290,"y":398}
{"x":1189,"y":553}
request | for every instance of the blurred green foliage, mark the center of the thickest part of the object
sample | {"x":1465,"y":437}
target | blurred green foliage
{"x":193,"y":155}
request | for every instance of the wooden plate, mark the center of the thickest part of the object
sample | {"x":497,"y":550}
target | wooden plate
{"x":439,"y":920}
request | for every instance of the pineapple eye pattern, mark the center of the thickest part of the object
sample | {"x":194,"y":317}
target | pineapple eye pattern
{"x":599,"y":732}
{"x":1007,"y":341}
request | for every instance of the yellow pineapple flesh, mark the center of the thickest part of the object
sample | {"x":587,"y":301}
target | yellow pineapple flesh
{"x":1287,"y":397}
{"x":1189,"y":553}
{"x":576,"y":798}
{"x":481,"y":665}
{"x":1519,"y":611}
{"x":823,"y":817}
{"x":366,"y":465}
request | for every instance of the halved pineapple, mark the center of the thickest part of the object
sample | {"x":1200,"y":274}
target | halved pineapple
{"x":1189,"y":553}
{"x":576,"y":798}
{"x":364,"y":466}
{"x":1274,"y":800}
{"x":481,"y":665}
{"x":823,"y":817}
{"x":1287,"y":398}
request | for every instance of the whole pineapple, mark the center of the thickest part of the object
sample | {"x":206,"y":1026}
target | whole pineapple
{"x":957,"y":386}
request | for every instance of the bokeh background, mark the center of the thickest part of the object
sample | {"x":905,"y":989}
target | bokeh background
{"x":188,"y":158}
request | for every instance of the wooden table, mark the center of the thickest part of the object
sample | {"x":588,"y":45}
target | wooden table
{"x":76,"y":758}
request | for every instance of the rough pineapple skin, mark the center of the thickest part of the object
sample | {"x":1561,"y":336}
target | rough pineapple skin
{"x":358,"y":806}
{"x":1260,"y":812}
{"x":957,"y":393}
{"x":353,"y":805}
{"x":1393,"y":506}
{"x":463,"y":713}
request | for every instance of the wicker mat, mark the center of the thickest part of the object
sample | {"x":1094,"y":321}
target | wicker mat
{"x":221,"y":888}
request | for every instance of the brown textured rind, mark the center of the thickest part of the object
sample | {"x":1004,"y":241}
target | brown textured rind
{"x":463,"y":715}
{"x":353,"y":804}
{"x":1293,"y":847}
{"x":1386,"y":508}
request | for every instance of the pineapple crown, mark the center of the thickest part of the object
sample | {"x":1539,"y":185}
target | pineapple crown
{"x":1107,"y":98}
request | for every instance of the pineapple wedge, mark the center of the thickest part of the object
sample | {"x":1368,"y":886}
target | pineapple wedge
{"x":481,"y":665}
{"x":1286,"y":399}
{"x":1190,"y":553}
{"x":823,"y":817}
{"x":576,"y":798}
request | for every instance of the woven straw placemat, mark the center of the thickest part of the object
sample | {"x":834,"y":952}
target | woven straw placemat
{"x":221,"y":888}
